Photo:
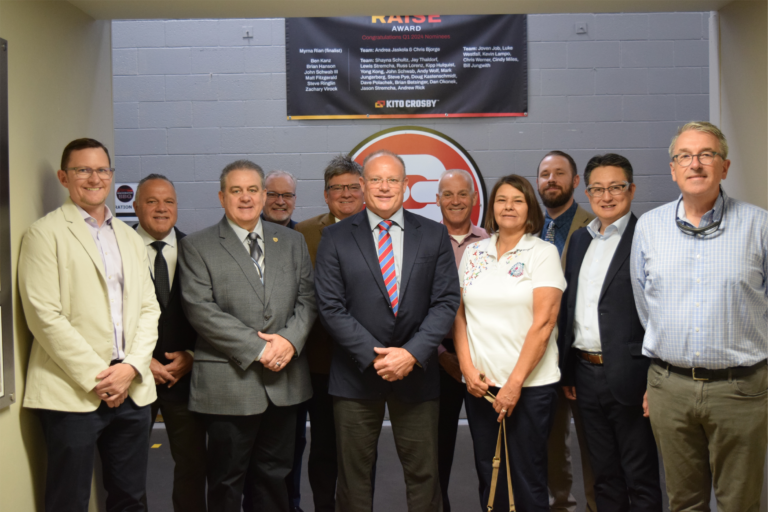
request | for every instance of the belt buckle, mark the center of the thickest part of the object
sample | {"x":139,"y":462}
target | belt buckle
{"x":699,"y":378}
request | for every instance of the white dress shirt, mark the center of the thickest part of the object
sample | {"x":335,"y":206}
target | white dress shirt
{"x":395,"y":233}
{"x":586,"y":326}
{"x":170,"y":251}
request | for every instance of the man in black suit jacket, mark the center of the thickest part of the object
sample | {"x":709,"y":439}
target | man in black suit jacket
{"x":601,"y":340}
{"x":387,"y":292}
{"x":171,"y":363}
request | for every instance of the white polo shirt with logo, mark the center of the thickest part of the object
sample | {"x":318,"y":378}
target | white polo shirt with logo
{"x":498,"y":304}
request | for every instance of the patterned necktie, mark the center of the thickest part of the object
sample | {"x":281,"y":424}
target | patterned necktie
{"x":550,"y":234}
{"x":162,"y":281}
{"x":256,"y":253}
{"x":387,"y":263}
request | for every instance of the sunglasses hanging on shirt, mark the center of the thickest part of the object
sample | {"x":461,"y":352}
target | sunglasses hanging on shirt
{"x":706,"y":230}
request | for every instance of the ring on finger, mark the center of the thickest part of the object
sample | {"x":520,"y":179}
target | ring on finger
{"x":504,"y":410}
{"x":278,"y":364}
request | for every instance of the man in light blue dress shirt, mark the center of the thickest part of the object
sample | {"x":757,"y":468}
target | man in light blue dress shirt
{"x":699,"y":269}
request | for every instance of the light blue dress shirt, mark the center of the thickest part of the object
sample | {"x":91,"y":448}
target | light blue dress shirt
{"x":703,"y":299}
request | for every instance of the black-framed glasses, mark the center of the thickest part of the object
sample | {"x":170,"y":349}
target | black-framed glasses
{"x":614,"y":190}
{"x":354,"y":187}
{"x":84,"y":173}
{"x":287,"y":196}
{"x":686,"y":159}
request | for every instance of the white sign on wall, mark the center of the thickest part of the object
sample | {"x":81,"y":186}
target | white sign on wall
{"x":125,"y":193}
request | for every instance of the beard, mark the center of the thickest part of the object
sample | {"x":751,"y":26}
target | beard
{"x":556,"y":200}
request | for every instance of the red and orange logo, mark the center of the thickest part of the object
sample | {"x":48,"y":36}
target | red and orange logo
{"x":381,"y":104}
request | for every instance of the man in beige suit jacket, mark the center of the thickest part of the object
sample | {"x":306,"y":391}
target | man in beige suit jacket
{"x":557,"y":177}
{"x":90,"y":303}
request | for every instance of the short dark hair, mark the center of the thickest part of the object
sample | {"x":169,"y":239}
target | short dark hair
{"x":608,"y":160}
{"x":535,"y":220}
{"x":77,"y":145}
{"x":563,"y":154}
{"x":340,"y":165}
{"x":383,"y":152}
{"x":236,"y":166}
{"x":150,"y":177}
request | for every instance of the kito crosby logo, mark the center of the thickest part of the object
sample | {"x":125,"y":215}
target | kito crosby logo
{"x":427,"y":154}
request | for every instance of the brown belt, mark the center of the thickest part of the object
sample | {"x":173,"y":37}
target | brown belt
{"x":591,"y":357}
{"x":707,"y":374}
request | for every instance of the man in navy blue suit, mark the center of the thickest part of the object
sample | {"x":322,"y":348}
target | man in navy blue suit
{"x":387,"y":291}
{"x":601,"y":340}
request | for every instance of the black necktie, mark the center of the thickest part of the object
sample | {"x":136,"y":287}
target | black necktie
{"x":162,"y":281}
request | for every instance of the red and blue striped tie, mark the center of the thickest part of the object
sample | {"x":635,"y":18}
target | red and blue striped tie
{"x":387,"y":263}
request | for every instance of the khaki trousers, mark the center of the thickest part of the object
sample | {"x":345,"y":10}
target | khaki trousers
{"x":560,"y":473}
{"x":710,"y":433}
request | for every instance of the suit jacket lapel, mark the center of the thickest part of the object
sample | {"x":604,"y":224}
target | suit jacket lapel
{"x":620,"y":256}
{"x":240,"y":254}
{"x":411,"y":244}
{"x":580,"y":250}
{"x":129,"y":268}
{"x":80,"y":230}
{"x":362,"y":233}
{"x":273,"y":263}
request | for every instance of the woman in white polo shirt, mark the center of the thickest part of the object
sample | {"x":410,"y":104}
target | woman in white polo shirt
{"x":505,"y":337}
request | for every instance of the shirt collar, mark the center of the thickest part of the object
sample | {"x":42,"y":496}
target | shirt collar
{"x":397,"y":218}
{"x":474,"y":231}
{"x":567,"y":215}
{"x":617,"y":227}
{"x":242,"y":234}
{"x":170,"y":238}
{"x":87,"y":217}
{"x":526,"y":242}
{"x":715,"y":213}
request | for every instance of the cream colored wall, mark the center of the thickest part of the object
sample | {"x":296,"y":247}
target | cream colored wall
{"x":744,"y":98}
{"x":60,"y":88}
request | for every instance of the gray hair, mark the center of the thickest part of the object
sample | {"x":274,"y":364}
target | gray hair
{"x":236,"y":166}
{"x":340,"y":165}
{"x":459,"y":172}
{"x":278,"y":173}
{"x":149,"y":177}
{"x":384,"y":152}
{"x":702,"y":126}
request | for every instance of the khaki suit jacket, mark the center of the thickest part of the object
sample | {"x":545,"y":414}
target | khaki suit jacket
{"x":63,"y":290}
{"x":580,"y":220}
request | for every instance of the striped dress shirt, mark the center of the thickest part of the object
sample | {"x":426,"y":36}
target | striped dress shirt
{"x":703,"y":299}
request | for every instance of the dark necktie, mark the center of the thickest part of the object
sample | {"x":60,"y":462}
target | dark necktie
{"x":256,"y":252}
{"x":550,"y":234}
{"x":162,"y":281}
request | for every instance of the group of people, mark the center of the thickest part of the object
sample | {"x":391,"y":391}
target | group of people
{"x":651,"y":333}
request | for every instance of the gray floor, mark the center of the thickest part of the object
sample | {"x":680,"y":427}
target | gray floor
{"x":390,"y":487}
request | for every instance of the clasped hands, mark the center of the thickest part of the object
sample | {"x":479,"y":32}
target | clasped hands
{"x":278,"y":353}
{"x":115,"y":381}
{"x":393,"y":363}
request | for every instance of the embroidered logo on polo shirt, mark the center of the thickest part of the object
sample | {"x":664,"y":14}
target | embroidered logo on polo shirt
{"x":517,"y":269}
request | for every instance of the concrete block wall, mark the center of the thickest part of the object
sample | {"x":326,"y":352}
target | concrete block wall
{"x":191,"y":96}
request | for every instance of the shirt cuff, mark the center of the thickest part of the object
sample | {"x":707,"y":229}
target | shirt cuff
{"x":441,"y":349}
{"x":258,"y":358}
{"x":190,"y":352}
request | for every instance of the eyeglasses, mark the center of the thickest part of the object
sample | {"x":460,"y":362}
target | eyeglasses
{"x":377,"y":182}
{"x":705,"y":158}
{"x":355,"y":187}
{"x":83,"y":173}
{"x":286,"y":197}
{"x":614,"y":190}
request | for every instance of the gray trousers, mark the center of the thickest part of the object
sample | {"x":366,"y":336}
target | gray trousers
{"x":414,"y":426}
{"x":710,"y":433}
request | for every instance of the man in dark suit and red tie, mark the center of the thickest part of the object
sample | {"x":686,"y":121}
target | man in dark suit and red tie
{"x":387,"y":292}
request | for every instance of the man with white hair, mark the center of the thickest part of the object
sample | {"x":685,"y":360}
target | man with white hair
{"x":281,"y":198}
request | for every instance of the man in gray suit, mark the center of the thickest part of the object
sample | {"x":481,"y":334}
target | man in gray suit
{"x":247,"y":290}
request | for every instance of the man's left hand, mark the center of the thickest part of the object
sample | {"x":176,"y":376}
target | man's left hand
{"x":180,"y":365}
{"x":393,"y":363}
{"x":115,"y":381}
{"x":278,"y":353}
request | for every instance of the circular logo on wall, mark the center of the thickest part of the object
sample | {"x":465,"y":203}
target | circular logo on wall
{"x":427,"y":154}
{"x":124,"y":193}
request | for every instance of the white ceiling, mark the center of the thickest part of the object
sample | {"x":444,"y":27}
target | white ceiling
{"x":187,"y":9}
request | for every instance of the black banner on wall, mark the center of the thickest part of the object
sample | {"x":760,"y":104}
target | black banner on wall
{"x":407,"y":67}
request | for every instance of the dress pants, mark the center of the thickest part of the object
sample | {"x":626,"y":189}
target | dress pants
{"x":121,"y":436}
{"x":560,"y":476}
{"x":186,"y":436}
{"x":711,"y":433}
{"x":322,"y":467}
{"x":622,"y":450}
{"x":527,"y":433}
{"x":261,"y":445}
{"x":414,"y":426}
{"x":451,"y":399}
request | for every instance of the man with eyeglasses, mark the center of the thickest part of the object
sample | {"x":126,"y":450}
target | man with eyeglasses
{"x":90,"y":303}
{"x":699,"y":274}
{"x":600,"y":341}
{"x":387,"y":292}
{"x":281,"y":198}
{"x":344,"y":197}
